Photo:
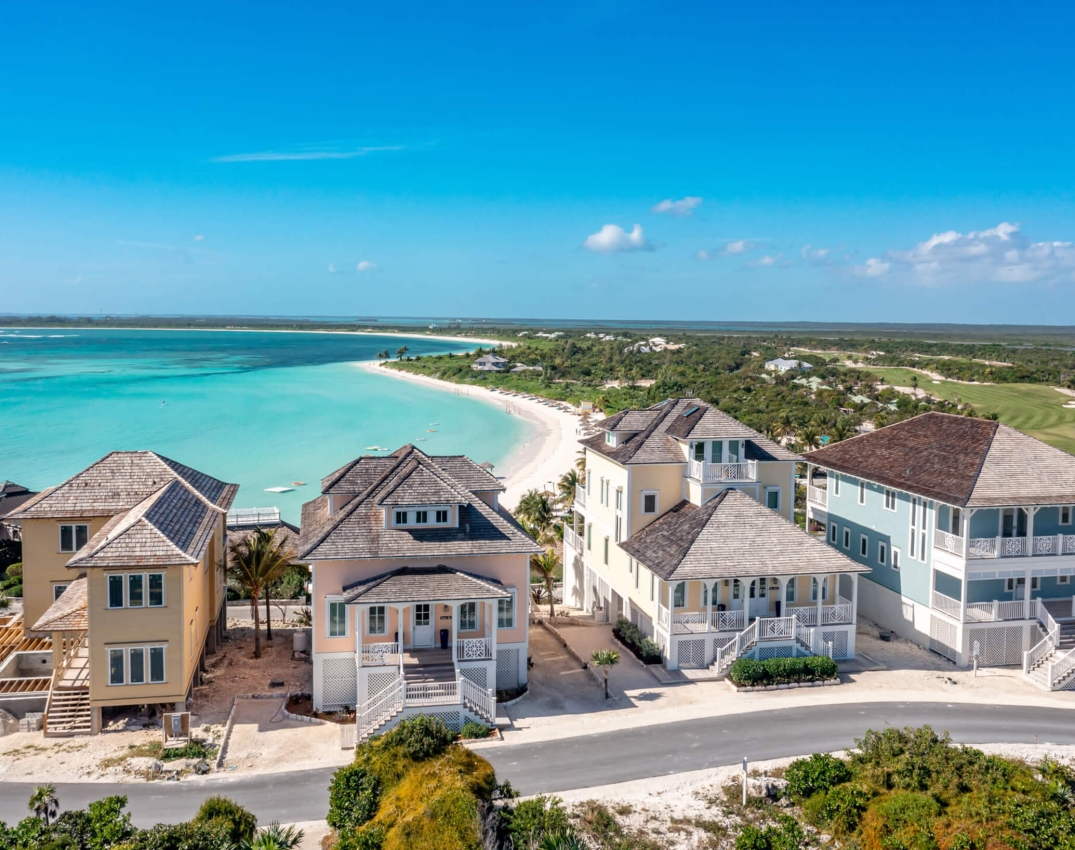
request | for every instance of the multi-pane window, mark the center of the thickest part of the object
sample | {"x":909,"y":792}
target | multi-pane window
{"x":649,"y":503}
{"x":135,"y":590}
{"x":129,"y":590}
{"x":57,"y":591}
{"x":789,"y":592}
{"x":864,"y":545}
{"x":882,"y":552}
{"x":115,"y":667}
{"x":73,"y":537}
{"x":156,"y":590}
{"x":890,"y":500}
{"x":468,"y":617}
{"x":136,"y":665}
{"x":679,"y":595}
{"x":378,"y":620}
{"x":421,"y":517}
{"x":401,"y":517}
{"x":505,"y":612}
{"x":619,"y":498}
{"x":115,"y":591}
{"x":737,"y":588}
{"x":918,"y":528}
{"x":337,"y":619}
{"x":156,"y":664}
{"x":127,"y":665}
{"x":442,"y":516}
{"x":914,"y":527}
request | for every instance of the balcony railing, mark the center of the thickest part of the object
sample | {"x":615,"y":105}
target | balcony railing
{"x":572,"y":539}
{"x":995,"y":611}
{"x":690,"y":622}
{"x":709,"y":473}
{"x":473,"y":649}
{"x":947,"y":605}
{"x":377,"y":654}
{"x":580,"y":496}
{"x":818,"y":495}
{"x":1004,"y":547}
{"x":807,"y":615}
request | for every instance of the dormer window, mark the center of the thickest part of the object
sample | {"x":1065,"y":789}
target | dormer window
{"x":610,"y":438}
{"x":442,"y":517}
{"x":401,"y":517}
{"x":421,"y":517}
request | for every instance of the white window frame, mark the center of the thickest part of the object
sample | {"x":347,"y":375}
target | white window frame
{"x":656,"y":502}
{"x":882,"y":552}
{"x":836,"y":484}
{"x":123,"y":590}
{"x":164,"y":663}
{"x":74,"y":526}
{"x":1070,"y":513}
{"x":1063,"y":579}
{"x":890,"y":496}
{"x":619,"y":528}
{"x":638,"y":575}
{"x":131,"y":650}
{"x":57,"y":591}
{"x":790,"y":591}
{"x":329,"y":602}
{"x":369,"y":620}
{"x":514,"y":594}
{"x":675,"y":588}
{"x":470,"y":624}
{"x":864,"y":546}
{"x":400,"y":517}
{"x":1035,"y":583}
{"x":442,"y":511}
{"x":127,"y":587}
{"x":125,"y":653}
{"x":619,"y":499}
{"x":862,"y":492}
{"x":606,"y":551}
{"x":896,"y":558}
{"x":777,"y":491}
{"x":421,"y":517}
{"x":847,"y":539}
{"x":834,"y":533}
{"x":148,"y":596}
{"x":122,"y":650}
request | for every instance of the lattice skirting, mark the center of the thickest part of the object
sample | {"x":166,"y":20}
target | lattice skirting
{"x":999,"y":646}
{"x":838,"y":639}
{"x":452,"y":718}
{"x":339,"y":682}
{"x":690,"y":654}
{"x":944,"y":638}
{"x":379,"y":682}
{"x":761,"y":653}
{"x":507,"y":668}
{"x":478,"y":675}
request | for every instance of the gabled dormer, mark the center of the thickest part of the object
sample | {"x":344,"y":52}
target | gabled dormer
{"x":419,"y":495}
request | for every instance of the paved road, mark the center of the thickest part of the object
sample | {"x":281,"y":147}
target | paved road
{"x":599,"y":759}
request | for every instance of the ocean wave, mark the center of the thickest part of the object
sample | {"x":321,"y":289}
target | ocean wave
{"x":23,"y":336}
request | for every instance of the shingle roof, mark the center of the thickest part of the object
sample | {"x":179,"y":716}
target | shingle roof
{"x":467,"y":473}
{"x":358,"y":530}
{"x":119,"y":481}
{"x":957,"y":460}
{"x":361,"y":473}
{"x":416,"y":483}
{"x":731,"y":536}
{"x":171,"y":526}
{"x":12,"y":496}
{"x":422,"y":584}
{"x":69,"y":613}
{"x":685,"y":419}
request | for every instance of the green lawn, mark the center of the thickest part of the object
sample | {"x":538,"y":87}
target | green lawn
{"x":1030,"y":408}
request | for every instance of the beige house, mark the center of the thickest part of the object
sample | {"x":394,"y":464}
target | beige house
{"x":684,"y":526}
{"x":123,"y":569}
{"x":419,"y":590}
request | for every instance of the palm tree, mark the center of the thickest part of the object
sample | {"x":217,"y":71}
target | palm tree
{"x":809,"y":438}
{"x":605,"y":658}
{"x":914,"y":383}
{"x":561,"y":841}
{"x":567,"y":484}
{"x":785,"y":425}
{"x":547,"y":566}
{"x":535,"y":512}
{"x":43,"y":802}
{"x":880,"y":420}
{"x":580,"y":464}
{"x":841,"y":430}
{"x":274,"y":837}
{"x":383,"y":354}
{"x":256,"y":562}
{"x":401,"y":351}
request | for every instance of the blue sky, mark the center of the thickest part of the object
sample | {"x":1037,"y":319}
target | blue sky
{"x":839,"y":161}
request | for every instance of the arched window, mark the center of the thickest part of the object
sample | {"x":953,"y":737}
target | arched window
{"x":813,"y":590}
{"x":705,"y":595}
{"x":789,"y":592}
{"x":737,"y":589}
{"x":679,"y":595}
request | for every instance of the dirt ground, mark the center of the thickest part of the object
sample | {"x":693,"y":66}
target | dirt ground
{"x":264,"y":741}
{"x":113,"y":754}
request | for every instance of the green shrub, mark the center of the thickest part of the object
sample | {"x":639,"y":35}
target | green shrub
{"x":14,"y":571}
{"x":353,"y":796}
{"x":531,"y":820}
{"x":818,"y":773}
{"x":839,"y":810}
{"x":747,"y":672}
{"x":366,"y":838}
{"x":785,"y":834}
{"x":193,"y":750}
{"x":420,"y":737}
{"x":474,"y":730}
{"x":644,"y":648}
{"x":196,"y":835}
{"x":239,"y":823}
{"x":902,"y":820}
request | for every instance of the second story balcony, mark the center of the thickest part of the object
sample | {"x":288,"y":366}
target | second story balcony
{"x":580,"y":496}
{"x":723,"y":473}
{"x":818,"y":495}
{"x":970,"y":548}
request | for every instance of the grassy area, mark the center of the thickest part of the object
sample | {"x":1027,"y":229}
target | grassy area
{"x":1031,"y":408}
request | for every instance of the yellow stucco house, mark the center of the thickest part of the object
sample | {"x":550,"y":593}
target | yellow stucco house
{"x":123,"y":569}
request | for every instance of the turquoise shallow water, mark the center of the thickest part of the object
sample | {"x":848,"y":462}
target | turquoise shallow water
{"x":260,"y":409}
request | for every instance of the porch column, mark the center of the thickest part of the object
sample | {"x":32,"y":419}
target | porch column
{"x":782,"y":596}
{"x":455,"y":619}
{"x":399,"y":630}
{"x":709,"y":591}
{"x":1030,"y":532}
{"x":493,"y":625}
{"x":963,"y":595}
{"x":1026,"y":594}
{"x":358,"y":634}
{"x":967,"y":517}
{"x":854,"y":598}
{"x":820,"y":596}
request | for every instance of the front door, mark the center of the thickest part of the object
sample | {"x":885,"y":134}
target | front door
{"x":422,"y":628}
{"x":759,"y":602}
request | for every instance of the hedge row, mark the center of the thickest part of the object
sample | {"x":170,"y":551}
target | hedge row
{"x":644,"y":648}
{"x":749,"y":673}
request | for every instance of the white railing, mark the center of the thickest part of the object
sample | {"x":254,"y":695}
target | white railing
{"x":1042,"y":615}
{"x":947,"y":605}
{"x":662,"y":616}
{"x":572,"y":539}
{"x":995,"y":611}
{"x":376,"y":654}
{"x":776,"y":628}
{"x":949,"y":542}
{"x":805,"y":615}
{"x":479,"y":700}
{"x":727,"y":621}
{"x":690,"y":621}
{"x":983,"y":547}
{"x":379,"y":710}
{"x":1061,"y":668}
{"x":1045,"y":545}
{"x":834,"y":614}
{"x":1041,"y":650}
{"x":731,"y":472}
{"x":431,"y":693}
{"x":580,"y":496}
{"x":811,"y":640}
{"x":818,"y":495}
{"x":253,"y":516}
{"x":1067,"y":547}
{"x":473,"y":649}
{"x":727,"y":654}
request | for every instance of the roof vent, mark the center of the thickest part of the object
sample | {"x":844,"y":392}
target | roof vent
{"x":689,"y":412}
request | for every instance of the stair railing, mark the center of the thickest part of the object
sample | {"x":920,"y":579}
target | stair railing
{"x":731,"y":651}
{"x":1060,"y":669}
{"x":80,"y":642}
{"x":379,"y":710}
{"x":481,"y":701}
{"x":1043,"y":649}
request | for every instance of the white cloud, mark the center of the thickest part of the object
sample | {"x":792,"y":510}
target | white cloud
{"x":739,"y":246}
{"x":303,"y":155}
{"x":365,"y":266}
{"x":684,"y":206}
{"x":612,"y":238}
{"x":873,"y":267}
{"x":332,"y":268}
{"x":1001,"y":254}
{"x":703,"y":256}
{"x":809,"y":252}
{"x":199,"y":238}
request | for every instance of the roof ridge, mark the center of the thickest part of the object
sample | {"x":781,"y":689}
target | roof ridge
{"x":127,"y":523}
{"x":168,"y":462}
{"x":982,"y":459}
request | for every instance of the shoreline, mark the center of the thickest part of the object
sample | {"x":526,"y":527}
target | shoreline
{"x":540,"y":460}
{"x":439,"y":337}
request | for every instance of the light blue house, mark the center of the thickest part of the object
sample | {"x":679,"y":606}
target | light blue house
{"x":967,"y":526}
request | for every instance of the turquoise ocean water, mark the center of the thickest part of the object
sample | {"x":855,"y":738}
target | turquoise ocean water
{"x":259,"y":409}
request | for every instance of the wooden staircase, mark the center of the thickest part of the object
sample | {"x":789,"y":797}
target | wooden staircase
{"x":68,"y":710}
{"x":1063,"y":646}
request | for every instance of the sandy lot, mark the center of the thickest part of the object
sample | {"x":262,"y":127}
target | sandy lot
{"x":264,"y":741}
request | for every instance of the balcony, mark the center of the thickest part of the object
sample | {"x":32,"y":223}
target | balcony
{"x":572,"y":539}
{"x":723,"y":473}
{"x":580,"y":496}
{"x":1003,"y":547}
{"x":818,"y":495}
{"x":1003,"y":610}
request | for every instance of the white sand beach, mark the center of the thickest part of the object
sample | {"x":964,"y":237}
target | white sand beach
{"x":542,"y":459}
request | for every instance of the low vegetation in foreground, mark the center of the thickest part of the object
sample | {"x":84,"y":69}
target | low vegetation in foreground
{"x":748,"y":673}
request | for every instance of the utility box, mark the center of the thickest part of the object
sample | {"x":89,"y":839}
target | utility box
{"x":176,"y":729}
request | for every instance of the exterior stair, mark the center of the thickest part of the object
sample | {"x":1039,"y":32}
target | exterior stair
{"x":1063,"y":647}
{"x":68,"y":713}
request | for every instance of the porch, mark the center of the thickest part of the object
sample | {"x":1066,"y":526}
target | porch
{"x":1013,"y":532}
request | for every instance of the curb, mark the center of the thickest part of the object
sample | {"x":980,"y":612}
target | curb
{"x":824,"y":683}
{"x":223,"y":750}
{"x":300,"y":718}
